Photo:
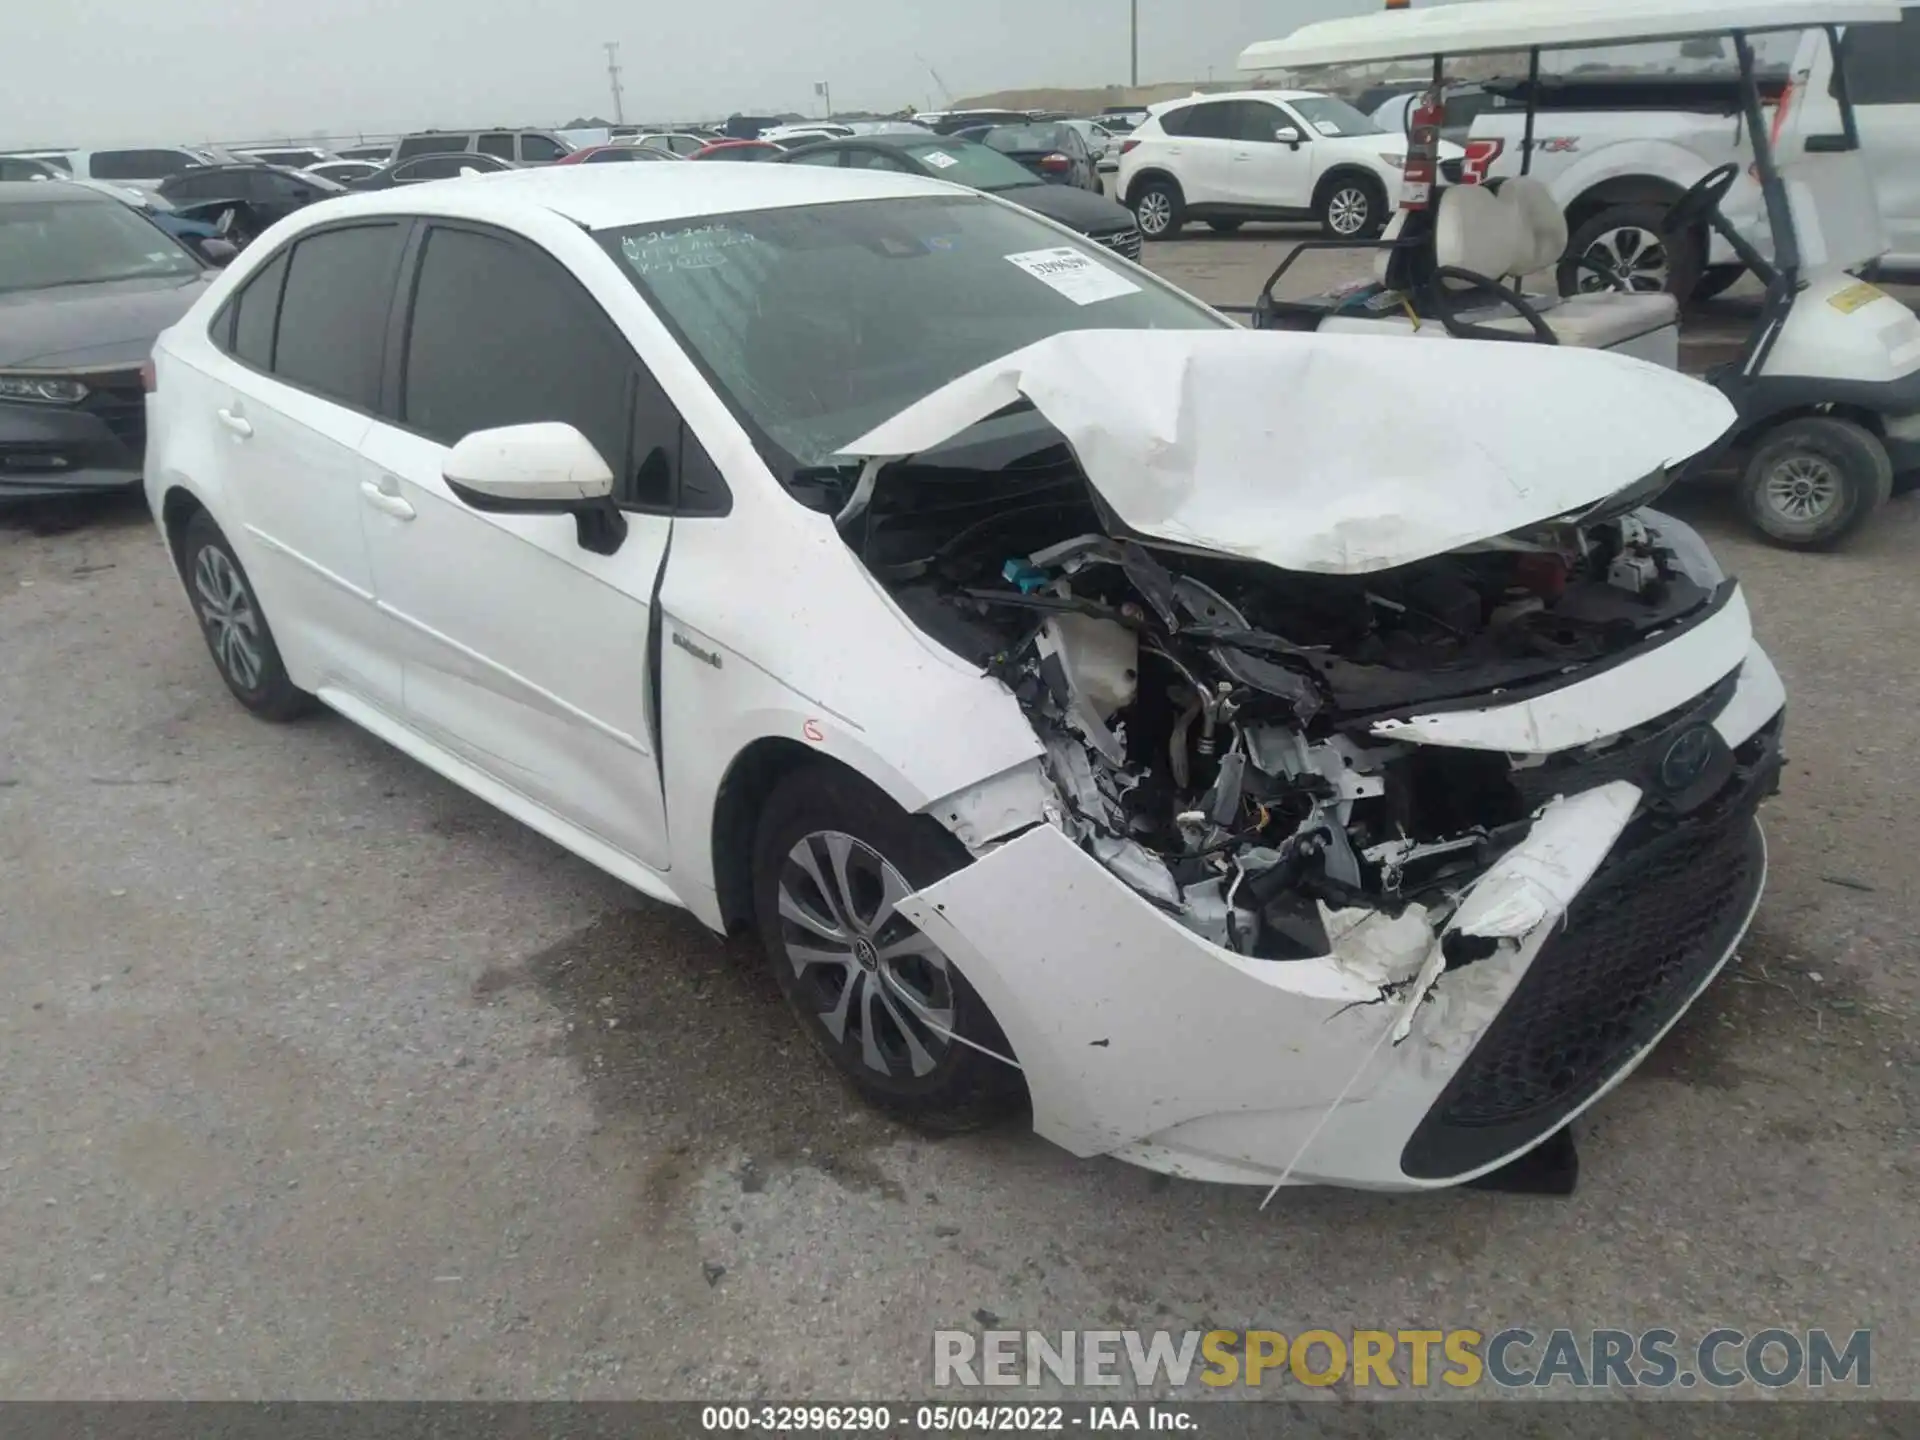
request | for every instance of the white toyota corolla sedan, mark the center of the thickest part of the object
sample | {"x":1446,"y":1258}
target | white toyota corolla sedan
{"x":1274,"y":758}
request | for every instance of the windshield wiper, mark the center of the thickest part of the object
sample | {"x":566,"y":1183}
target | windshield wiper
{"x":108,"y":279}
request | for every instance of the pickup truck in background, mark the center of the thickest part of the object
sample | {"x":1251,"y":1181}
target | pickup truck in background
{"x":1616,"y":151}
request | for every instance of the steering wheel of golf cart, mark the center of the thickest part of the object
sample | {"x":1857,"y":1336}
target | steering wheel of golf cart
{"x":1475,"y":283}
{"x":1701,"y":203}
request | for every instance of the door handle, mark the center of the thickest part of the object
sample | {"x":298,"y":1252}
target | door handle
{"x":238,"y":424}
{"x":384,"y":495}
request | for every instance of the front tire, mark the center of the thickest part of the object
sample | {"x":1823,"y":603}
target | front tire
{"x":833,"y":856}
{"x":1813,"y":482}
{"x":234,"y":625}
{"x":1159,"y":209}
{"x":1627,"y":242}
{"x":1351,"y":207}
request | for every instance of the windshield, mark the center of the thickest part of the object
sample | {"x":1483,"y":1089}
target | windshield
{"x":966,"y":163}
{"x":1329,"y":116}
{"x":816,"y":323}
{"x":82,"y":242}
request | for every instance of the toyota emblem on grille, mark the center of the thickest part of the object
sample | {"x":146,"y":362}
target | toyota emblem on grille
{"x":1687,"y":758}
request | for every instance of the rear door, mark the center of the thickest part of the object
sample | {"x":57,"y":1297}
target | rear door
{"x":525,"y":654}
{"x":1883,"y":77}
{"x":301,"y":378}
{"x":1210,"y":133}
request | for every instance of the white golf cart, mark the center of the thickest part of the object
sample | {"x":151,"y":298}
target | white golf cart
{"x":1827,"y":384}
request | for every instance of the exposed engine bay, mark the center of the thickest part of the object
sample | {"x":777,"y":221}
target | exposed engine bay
{"x":1207,"y":720}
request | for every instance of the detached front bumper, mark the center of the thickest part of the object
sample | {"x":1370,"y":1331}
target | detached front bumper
{"x":1400,"y":1061}
{"x":54,"y":450}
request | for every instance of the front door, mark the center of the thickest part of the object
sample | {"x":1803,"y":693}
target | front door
{"x":524,"y":653}
{"x":1264,"y":171}
{"x":1883,"y":73}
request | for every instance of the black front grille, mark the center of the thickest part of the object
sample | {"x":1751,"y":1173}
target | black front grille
{"x":1635,"y":755}
{"x":120,"y":402}
{"x":1636,"y":944}
{"x":1123,"y":242}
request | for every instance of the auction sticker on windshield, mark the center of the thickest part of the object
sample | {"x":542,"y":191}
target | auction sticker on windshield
{"x":1078,"y":277}
{"x":939,"y":159}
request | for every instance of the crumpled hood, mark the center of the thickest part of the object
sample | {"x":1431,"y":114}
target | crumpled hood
{"x":86,"y":325}
{"x":1339,"y":454}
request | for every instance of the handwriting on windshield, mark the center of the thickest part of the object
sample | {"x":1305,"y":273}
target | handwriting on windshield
{"x":702,"y":247}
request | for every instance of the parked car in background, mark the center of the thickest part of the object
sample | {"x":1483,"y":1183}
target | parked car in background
{"x":379,"y":154}
{"x":952,"y":122}
{"x":1464,"y":104}
{"x":1262,"y":155}
{"x":422,"y":168}
{"x":616,"y":155}
{"x":738,"y":151}
{"x":1052,"y":150}
{"x":805,"y":130}
{"x":343,"y":172}
{"x":520,"y":147}
{"x":297,"y":157}
{"x":676,"y":142}
{"x":86,"y":283}
{"x":245,"y":199}
{"x":26,"y":167}
{"x":122,"y":165}
{"x":1103,"y":144}
{"x":964,"y":162}
{"x":1121,"y":119}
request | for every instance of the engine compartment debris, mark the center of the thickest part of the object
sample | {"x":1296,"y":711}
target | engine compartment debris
{"x":1206,"y":718}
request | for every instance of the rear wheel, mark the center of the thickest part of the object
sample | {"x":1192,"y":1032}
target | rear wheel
{"x":833,"y":858}
{"x":234,"y":625}
{"x":1159,"y":208}
{"x":1351,"y":207}
{"x":1813,"y":482}
{"x":1626,"y":249}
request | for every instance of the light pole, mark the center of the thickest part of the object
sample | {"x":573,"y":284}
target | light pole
{"x":1134,"y":6}
{"x":613,"y":78}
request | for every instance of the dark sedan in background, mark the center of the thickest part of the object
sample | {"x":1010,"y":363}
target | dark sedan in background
{"x":442,"y":166}
{"x":253,"y":196}
{"x":1051,"y":150}
{"x":86,"y":284}
{"x":966,"y":163}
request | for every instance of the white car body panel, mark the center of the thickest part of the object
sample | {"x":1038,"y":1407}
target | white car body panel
{"x":1179,"y":438}
{"x":497,"y":651}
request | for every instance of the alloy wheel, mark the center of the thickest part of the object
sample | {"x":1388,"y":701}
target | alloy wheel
{"x":1155,"y":212}
{"x":1631,"y":259}
{"x":1348,"y":209}
{"x":1802,"y":488}
{"x":881,"y":987}
{"x":233,"y":626}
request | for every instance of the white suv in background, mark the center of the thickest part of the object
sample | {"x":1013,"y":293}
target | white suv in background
{"x":1262,"y":155}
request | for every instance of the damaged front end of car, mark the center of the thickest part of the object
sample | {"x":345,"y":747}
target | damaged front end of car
{"x":1387,"y":787}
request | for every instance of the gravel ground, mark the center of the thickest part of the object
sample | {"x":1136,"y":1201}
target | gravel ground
{"x":320,"y":1079}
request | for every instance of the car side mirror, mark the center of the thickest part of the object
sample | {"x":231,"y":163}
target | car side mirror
{"x":547,"y":468}
{"x":1288,"y":135}
{"x":217,"y":252}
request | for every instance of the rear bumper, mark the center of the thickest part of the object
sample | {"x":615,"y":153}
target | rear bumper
{"x":47,"y":451}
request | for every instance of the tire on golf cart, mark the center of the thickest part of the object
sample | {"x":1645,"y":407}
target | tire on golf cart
{"x":1716,"y":280}
{"x":1684,"y":254}
{"x":1351,"y":206}
{"x":1811,"y":482}
{"x":1158,"y":207}
{"x":1224,"y":227}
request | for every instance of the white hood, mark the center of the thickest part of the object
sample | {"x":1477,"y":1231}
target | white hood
{"x":1333,"y":453}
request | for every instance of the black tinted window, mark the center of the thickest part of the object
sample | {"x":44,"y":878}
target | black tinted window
{"x":815,"y":156}
{"x":1217,"y":121}
{"x":538,"y":148}
{"x":497,"y":145}
{"x":538,"y":349}
{"x":255,"y":309}
{"x":429,"y":145}
{"x":437,"y":167}
{"x":1175,"y":122}
{"x":333,"y":317}
{"x":1883,"y":62}
{"x":213,"y":185}
{"x":138,"y":164}
{"x":1257,"y":120}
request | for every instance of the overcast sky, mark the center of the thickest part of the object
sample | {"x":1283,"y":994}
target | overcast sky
{"x":100,"y":72}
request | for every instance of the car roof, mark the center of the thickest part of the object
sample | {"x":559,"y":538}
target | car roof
{"x":1490,"y":26}
{"x":600,"y":197}
{"x":50,"y":191}
{"x":1162,"y":106}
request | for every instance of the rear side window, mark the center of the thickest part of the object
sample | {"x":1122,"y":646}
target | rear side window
{"x":1219,"y":120}
{"x":538,"y":148}
{"x":497,"y":145}
{"x":538,"y":349}
{"x":429,"y":145}
{"x":256,"y":308}
{"x":333,"y":312}
{"x":1883,"y":61}
{"x":1175,"y":122}
{"x":138,"y":164}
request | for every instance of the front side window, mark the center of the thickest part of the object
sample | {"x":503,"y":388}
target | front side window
{"x":538,"y":349}
{"x":333,"y":312}
{"x":1325,"y":115}
{"x":539,"y":149}
{"x":84,"y":241}
{"x":816,"y":323}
